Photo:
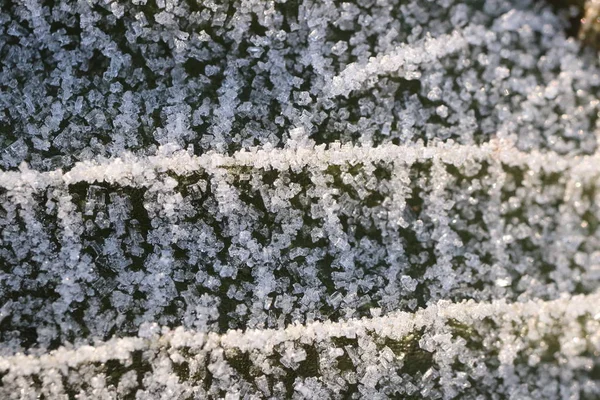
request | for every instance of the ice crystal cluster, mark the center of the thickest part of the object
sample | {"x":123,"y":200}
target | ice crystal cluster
{"x":297,"y":199}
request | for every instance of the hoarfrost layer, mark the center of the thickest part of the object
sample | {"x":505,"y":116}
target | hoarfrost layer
{"x":87,"y":79}
{"x":178,"y":170}
{"x":468,"y":350}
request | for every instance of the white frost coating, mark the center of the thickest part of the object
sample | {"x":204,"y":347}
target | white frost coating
{"x":403,"y":61}
{"x":297,"y":199}
{"x":142,"y":171}
{"x":439,"y":330}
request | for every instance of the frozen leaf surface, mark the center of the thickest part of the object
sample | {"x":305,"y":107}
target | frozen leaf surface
{"x":309,"y":199}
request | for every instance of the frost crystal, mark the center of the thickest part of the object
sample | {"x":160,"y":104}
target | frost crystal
{"x":297,"y":199}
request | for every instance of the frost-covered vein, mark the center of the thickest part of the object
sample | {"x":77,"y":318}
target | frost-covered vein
{"x":546,"y":315}
{"x":142,"y":171}
{"x":403,"y":60}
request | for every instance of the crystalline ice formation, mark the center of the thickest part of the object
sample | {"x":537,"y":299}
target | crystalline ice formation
{"x":443,"y":351}
{"x":301,"y":199}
